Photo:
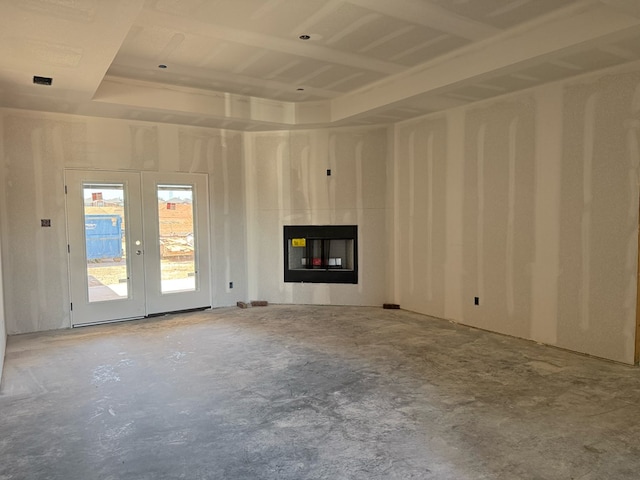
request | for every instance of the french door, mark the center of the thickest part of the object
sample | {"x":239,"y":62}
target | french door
{"x":138,"y":244}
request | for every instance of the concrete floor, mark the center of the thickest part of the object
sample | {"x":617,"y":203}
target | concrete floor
{"x":292,"y":392}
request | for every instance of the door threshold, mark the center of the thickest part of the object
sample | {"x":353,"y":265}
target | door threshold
{"x":103,"y":322}
{"x":152,"y":315}
{"x":171,"y":312}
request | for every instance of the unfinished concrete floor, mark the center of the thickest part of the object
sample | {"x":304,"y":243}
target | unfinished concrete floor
{"x":293,"y":392}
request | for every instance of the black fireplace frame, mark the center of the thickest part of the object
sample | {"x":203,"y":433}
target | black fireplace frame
{"x":320,"y":273}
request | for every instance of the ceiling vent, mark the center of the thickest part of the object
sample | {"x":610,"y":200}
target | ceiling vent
{"x":42,"y":80}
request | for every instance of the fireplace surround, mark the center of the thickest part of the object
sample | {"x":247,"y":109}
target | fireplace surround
{"x":321,"y":253}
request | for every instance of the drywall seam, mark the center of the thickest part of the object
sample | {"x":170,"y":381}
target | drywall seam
{"x":38,"y":300}
{"x":360,"y":200}
{"x":396,"y":234}
{"x":587,"y":198}
{"x":429,"y":239}
{"x":324,"y":151}
{"x":3,"y":202}
{"x":480,"y":163}
{"x":547,"y":198}
{"x":511,"y":209}
{"x":333,"y":165}
{"x":304,"y":173}
{"x":282,"y":162}
{"x":225,"y":208}
{"x":58,"y":155}
{"x":412,"y":209}
{"x":252,"y":233}
{"x":454,"y":218}
{"x":391,"y":219}
{"x":633,"y":295}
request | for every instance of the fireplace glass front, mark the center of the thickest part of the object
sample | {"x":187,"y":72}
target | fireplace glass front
{"x":321,"y":253}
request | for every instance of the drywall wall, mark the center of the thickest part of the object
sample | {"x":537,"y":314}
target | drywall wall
{"x":287,"y":184}
{"x":37,"y":147}
{"x":3,"y":327}
{"x":530,"y":203}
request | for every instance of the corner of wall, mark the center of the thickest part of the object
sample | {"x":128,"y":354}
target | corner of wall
{"x":3,"y":330}
{"x":393,"y":208}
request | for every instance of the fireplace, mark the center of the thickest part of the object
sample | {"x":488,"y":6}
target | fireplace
{"x":321,"y":253}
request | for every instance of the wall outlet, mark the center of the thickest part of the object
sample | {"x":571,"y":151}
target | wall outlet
{"x":45,"y":222}
{"x":476,"y":300}
{"x":328,"y":172}
{"x":230,"y":284}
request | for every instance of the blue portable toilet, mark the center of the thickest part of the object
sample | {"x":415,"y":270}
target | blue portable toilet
{"x":104,"y":236}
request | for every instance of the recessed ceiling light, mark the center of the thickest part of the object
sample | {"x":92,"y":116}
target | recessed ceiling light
{"x":162,"y":65}
{"x":304,"y":37}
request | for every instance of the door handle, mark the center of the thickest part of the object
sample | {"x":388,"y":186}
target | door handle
{"x":138,"y":252}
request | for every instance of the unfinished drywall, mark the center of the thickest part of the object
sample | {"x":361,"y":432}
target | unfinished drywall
{"x":3,"y":329}
{"x":599,"y":215}
{"x":421,"y":217}
{"x":3,"y":228}
{"x":287,"y":184}
{"x":37,"y":147}
{"x":530,"y":203}
{"x":498,"y":215}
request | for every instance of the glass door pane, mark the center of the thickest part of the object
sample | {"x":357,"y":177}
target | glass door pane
{"x":105,"y":239}
{"x":106,"y":254}
{"x":177,"y":270}
{"x":177,"y":240}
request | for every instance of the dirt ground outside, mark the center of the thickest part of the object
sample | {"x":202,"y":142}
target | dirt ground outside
{"x":176,"y":224}
{"x":112,"y":273}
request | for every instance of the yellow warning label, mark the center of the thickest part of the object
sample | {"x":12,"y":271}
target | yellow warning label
{"x":298,"y":242}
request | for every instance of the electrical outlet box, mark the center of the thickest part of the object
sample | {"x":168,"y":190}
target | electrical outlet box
{"x":45,"y":222}
{"x":476,"y":300}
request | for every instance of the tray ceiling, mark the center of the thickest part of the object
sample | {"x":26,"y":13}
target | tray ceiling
{"x":241,"y":64}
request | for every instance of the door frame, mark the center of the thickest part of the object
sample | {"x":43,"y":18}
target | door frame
{"x":81,"y":308}
{"x":141,"y":188}
{"x":200,"y":298}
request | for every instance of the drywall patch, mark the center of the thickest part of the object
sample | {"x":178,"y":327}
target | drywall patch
{"x":303,"y":157}
{"x":195,"y":150}
{"x":144,"y":147}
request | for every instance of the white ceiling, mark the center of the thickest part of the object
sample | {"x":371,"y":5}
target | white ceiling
{"x":240,"y":63}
